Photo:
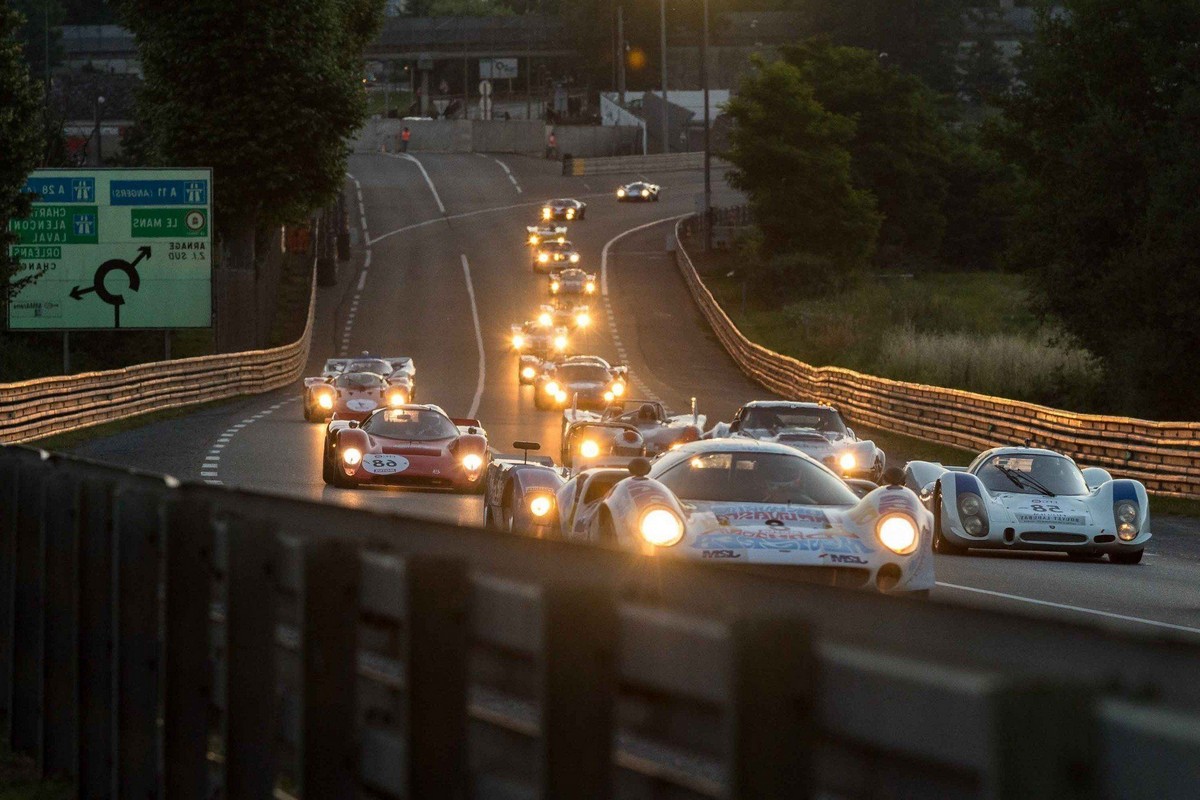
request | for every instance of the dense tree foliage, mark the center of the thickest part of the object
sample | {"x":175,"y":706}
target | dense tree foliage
{"x":790,"y":156}
{"x":1106,"y":127}
{"x":21,"y":148}
{"x":41,"y":34}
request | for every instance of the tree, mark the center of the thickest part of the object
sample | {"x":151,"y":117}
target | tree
{"x":41,"y":33}
{"x":267,"y":94}
{"x":790,"y":157}
{"x":899,"y":144}
{"x":20,"y":110}
{"x":1105,"y":127}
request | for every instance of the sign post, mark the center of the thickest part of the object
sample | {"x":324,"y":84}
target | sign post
{"x":127,"y":249}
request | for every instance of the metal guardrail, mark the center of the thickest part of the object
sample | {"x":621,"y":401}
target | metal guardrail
{"x":34,"y":409}
{"x":662,"y":162}
{"x":1165,"y":456}
{"x":159,"y":640}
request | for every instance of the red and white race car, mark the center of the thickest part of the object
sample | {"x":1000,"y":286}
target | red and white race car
{"x":412,"y":445}
{"x":352,"y":398}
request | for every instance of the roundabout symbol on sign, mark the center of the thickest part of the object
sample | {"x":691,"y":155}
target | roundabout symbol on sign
{"x":114,"y":265}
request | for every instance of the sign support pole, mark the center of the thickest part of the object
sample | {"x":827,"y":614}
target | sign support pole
{"x":166,"y":345}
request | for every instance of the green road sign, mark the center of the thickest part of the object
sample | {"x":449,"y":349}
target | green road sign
{"x":115,"y":249}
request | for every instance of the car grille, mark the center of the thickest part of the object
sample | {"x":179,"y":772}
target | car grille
{"x":1053,"y":537}
{"x":846,"y":577}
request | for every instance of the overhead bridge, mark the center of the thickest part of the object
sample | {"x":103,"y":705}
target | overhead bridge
{"x":470,"y":37}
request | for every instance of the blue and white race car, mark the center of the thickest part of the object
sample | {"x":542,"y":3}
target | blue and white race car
{"x":1023,"y":498}
{"x":757,"y":505}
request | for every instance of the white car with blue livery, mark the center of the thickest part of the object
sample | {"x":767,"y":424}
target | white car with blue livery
{"x":1025,"y":498}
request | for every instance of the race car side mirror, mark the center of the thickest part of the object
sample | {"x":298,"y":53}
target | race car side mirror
{"x":893,"y":476}
{"x":639,"y":467}
{"x":352,"y":424}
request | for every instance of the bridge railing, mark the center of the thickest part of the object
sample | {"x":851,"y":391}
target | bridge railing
{"x":174,"y":641}
{"x":1165,"y":456}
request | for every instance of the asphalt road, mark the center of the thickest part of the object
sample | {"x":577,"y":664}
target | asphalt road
{"x":440,"y":273}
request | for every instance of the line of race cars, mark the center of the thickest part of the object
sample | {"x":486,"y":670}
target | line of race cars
{"x":783,"y":487}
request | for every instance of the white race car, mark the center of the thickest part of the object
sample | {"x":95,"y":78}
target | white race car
{"x":816,"y":429}
{"x":1022,"y":498}
{"x":321,"y":394}
{"x":545,"y":232}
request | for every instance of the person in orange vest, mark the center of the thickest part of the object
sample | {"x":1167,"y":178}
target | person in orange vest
{"x":552,"y":146}
{"x":405,"y":135}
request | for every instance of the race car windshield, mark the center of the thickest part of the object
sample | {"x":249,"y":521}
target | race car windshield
{"x":825,"y":420}
{"x":755,"y":478}
{"x":582,"y":373}
{"x":1032,"y":474}
{"x":414,"y":425}
{"x":376,"y":365}
{"x":359,"y":381}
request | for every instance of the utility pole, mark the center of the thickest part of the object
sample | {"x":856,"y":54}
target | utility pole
{"x":707,"y":226}
{"x":666,"y":122}
{"x":621,"y":55}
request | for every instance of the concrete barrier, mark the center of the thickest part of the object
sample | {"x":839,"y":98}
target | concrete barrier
{"x":662,"y":162}
{"x":527,"y":137}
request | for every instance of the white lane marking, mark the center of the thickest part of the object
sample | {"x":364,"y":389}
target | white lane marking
{"x":464,"y":215}
{"x":209,"y":470}
{"x":478,"y":339}
{"x":348,"y":326}
{"x":437,"y":198}
{"x":508,"y":172}
{"x":617,"y":238}
{"x":1066,"y":607}
{"x":362,"y":280}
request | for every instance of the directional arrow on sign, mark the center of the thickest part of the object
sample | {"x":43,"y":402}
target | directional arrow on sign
{"x":114,"y":265}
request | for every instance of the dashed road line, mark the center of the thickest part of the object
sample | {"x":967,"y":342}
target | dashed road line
{"x":210,"y":468}
{"x":507,"y":171}
{"x":348,"y":326}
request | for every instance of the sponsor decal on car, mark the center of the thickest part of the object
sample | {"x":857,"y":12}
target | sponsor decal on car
{"x":770,"y":540}
{"x":801,"y":517}
{"x":382,"y":464}
{"x":1053,"y":519}
{"x":842,"y":558}
{"x":361,"y":404}
{"x":721,"y":554}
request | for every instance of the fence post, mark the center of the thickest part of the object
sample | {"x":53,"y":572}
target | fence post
{"x":60,"y":708}
{"x":251,"y":724}
{"x":187,"y":669}
{"x":1044,"y":737}
{"x":329,"y":638}
{"x":137,"y":526}
{"x":438,"y":647}
{"x":96,"y":612}
{"x":579,"y":635}
{"x":25,"y":733}
{"x":773,"y":712}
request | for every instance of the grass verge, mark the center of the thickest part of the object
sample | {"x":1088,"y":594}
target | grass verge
{"x":66,"y":441}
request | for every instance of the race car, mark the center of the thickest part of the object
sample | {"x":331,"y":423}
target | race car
{"x":321,"y":394}
{"x":563,"y":208}
{"x":552,"y":254}
{"x":565,"y":315}
{"x":411,"y":445}
{"x":638,"y":191}
{"x":545,"y":232}
{"x":660,"y":429}
{"x":571,"y":282}
{"x":816,"y":429}
{"x":578,"y":381}
{"x":587,"y":444}
{"x":1025,"y":498}
{"x":758,"y":505}
{"x":535,"y":342}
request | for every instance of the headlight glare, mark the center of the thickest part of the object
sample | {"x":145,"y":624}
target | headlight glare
{"x":847,"y":461}
{"x":618,"y":389}
{"x":528,"y":373}
{"x":551,"y":387}
{"x":590,"y":287}
{"x":1127,"y":531}
{"x":546,"y":213}
{"x":608,"y":397}
{"x":545,"y":319}
{"x":661,"y":527}
{"x":589,"y":449}
{"x":540,"y":505}
{"x":898,"y":533}
{"x":518,"y":340}
{"x":574,"y":258}
{"x":533,"y":238}
{"x":325,"y":401}
{"x":472,"y":462}
{"x":620,"y":192}
{"x":396,"y":399}
{"x":560,"y":342}
{"x":351,"y":456}
{"x":645,"y":192}
{"x":554,"y":286}
{"x":583,"y":320}
{"x":560,"y":396}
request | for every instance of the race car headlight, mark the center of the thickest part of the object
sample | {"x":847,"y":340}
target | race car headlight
{"x":589,"y":449}
{"x":551,"y":387}
{"x":540,"y":505}
{"x":971,"y":513}
{"x":325,"y":401}
{"x":574,"y":258}
{"x":396,"y":399}
{"x":533,"y":238}
{"x":847,"y":462}
{"x":543,"y":258}
{"x":1126,"y":512}
{"x":554,"y":286}
{"x":472,"y":462}
{"x":618,"y":389}
{"x":351,"y":456}
{"x":645,"y":192}
{"x":620,"y":192}
{"x":1127,"y":531}
{"x":560,"y":396}
{"x":546,"y":212}
{"x":969,"y":505}
{"x":661,"y":527}
{"x":608,"y":397}
{"x":583,"y":320}
{"x":518,"y":340}
{"x":560,"y":342}
{"x":528,"y":373}
{"x":570,"y":213}
{"x":898,"y":533}
{"x":545,"y":319}
{"x":590,"y":287}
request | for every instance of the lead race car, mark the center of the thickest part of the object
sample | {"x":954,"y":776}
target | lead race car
{"x":638,"y":191}
{"x":660,"y":429}
{"x":413,"y":445}
{"x":1024,"y":498}
{"x":740,"y":502}
{"x":563,"y":208}
{"x":816,"y":429}
{"x":322,"y":395}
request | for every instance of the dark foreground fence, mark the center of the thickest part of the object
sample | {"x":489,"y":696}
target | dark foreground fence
{"x":159,"y":640}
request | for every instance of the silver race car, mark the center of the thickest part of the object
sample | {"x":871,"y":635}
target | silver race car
{"x":1023,"y":498}
{"x":563,"y":208}
{"x":638,"y":191}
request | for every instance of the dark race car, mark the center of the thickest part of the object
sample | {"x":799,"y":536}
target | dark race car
{"x":660,"y":429}
{"x":536,"y":341}
{"x":571,"y":284}
{"x":579,"y":381}
{"x":638,"y":192}
{"x":550,"y":255}
{"x":413,"y":445}
{"x":564,"y":208}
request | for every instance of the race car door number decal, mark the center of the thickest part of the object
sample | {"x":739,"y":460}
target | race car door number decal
{"x":380,"y":464}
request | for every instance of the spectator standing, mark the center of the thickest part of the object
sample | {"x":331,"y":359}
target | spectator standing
{"x":405,"y":135}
